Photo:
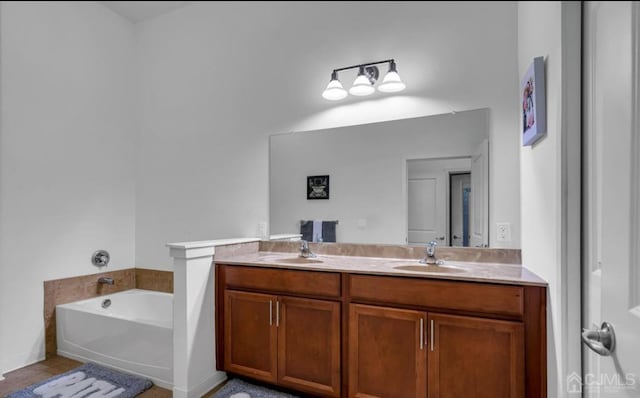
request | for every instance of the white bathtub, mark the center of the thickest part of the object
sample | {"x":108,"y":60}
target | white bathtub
{"x":134,"y":334}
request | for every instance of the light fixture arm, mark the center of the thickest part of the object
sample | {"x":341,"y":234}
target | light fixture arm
{"x":363,"y":65}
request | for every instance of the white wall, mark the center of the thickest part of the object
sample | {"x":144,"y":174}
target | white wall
{"x":218,"y":78}
{"x":367,"y":168}
{"x":212,"y":81}
{"x":549,"y":173}
{"x":66,"y":156}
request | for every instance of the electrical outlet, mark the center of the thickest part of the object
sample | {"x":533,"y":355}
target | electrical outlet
{"x":503,"y":232}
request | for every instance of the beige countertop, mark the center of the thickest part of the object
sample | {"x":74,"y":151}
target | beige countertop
{"x":451,"y":270}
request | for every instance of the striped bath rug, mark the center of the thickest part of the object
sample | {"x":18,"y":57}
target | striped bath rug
{"x":87,"y":381}
{"x":236,"y":388}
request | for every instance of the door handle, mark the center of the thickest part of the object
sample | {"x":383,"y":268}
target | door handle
{"x":456,"y":237}
{"x":421,"y":333}
{"x":602,"y":341}
{"x":432,"y":333}
{"x":440,"y":238}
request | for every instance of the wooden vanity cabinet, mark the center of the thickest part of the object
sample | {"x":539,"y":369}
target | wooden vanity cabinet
{"x":294,"y":342}
{"x":309,"y":345}
{"x":365,"y":336}
{"x":387,"y":352}
{"x":250,"y":335}
{"x":405,"y":353}
{"x":475,"y":357}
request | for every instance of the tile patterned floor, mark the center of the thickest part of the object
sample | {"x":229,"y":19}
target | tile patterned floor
{"x":29,"y":375}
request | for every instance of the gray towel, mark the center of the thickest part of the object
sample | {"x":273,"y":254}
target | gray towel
{"x":306,"y":229}
{"x":328,"y":231}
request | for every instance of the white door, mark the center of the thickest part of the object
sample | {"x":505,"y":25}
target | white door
{"x":611,"y":197}
{"x":460,"y":183}
{"x":426,"y":210}
{"x":479,"y":202}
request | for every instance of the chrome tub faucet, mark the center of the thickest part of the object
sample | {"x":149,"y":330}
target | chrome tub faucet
{"x":105,"y":281}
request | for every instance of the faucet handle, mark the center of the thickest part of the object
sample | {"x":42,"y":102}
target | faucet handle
{"x":431,"y":248}
{"x":304,"y":245}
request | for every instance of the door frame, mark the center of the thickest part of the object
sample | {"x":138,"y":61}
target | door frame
{"x":405,"y":189}
{"x":450,"y":174}
{"x":570,"y":355}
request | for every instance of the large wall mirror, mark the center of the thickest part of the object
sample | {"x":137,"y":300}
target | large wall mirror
{"x":405,"y":181}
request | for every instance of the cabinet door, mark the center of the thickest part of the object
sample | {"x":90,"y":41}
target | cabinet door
{"x":475,"y":357}
{"x":309,"y":345}
{"x":387,"y":352}
{"x":250,"y":335}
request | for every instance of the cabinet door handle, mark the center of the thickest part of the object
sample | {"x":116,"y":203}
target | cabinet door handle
{"x":270,"y":312}
{"x":277,"y":313}
{"x":432,"y":335}
{"x":421,"y":333}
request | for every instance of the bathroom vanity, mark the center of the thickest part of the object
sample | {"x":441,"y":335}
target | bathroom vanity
{"x":360,"y":326}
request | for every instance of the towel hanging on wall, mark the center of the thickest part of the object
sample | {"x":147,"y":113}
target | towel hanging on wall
{"x":318,"y":231}
{"x":329,"y":231}
{"x":306,"y":230}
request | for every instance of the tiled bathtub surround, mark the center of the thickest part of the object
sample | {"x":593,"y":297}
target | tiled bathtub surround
{"x":67,"y":290}
{"x":470,"y":254}
{"x":151,"y":279}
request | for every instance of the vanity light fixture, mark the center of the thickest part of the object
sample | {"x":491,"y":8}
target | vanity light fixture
{"x":364,"y":83}
{"x":334,"y":90}
{"x":391,"y":82}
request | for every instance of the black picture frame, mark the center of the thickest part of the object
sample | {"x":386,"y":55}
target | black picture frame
{"x":317,"y":187}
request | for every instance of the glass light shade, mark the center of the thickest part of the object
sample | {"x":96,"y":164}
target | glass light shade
{"x":361,"y":86}
{"x":334,"y":91}
{"x":391,"y":83}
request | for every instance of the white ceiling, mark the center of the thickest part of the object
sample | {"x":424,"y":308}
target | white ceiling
{"x":136,"y":11}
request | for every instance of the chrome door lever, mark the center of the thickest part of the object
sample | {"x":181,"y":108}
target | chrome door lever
{"x":602,"y":341}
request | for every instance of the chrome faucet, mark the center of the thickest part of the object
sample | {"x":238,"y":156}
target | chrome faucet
{"x":305,"y":252}
{"x":430,"y":254}
{"x":105,"y":281}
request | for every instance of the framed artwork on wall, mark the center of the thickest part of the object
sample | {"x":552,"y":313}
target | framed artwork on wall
{"x":318,"y":187}
{"x":533,"y":112}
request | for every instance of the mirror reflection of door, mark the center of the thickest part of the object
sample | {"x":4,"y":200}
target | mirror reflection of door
{"x":460,"y":186}
{"x":479,"y":207}
{"x":426,"y":210}
{"x":429,"y":205}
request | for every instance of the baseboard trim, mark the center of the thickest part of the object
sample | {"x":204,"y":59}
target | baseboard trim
{"x":20,"y":363}
{"x":201,"y":389}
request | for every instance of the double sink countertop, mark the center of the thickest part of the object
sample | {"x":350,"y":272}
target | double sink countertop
{"x":512,"y":274}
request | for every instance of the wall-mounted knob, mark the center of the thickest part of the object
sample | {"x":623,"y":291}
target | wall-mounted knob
{"x":100,"y":258}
